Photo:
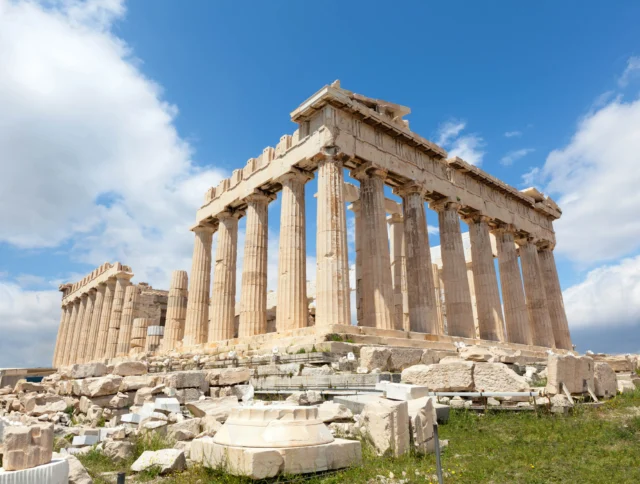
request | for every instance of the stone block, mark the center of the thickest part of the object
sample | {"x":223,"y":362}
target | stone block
{"x":27,"y":447}
{"x":54,"y":472}
{"x":187,"y":379}
{"x":97,"y":387}
{"x":85,"y":370}
{"x":118,"y":451}
{"x":575,"y":372}
{"x":386,"y":424}
{"x":332,"y":412}
{"x":130,"y":383}
{"x":167,"y":405}
{"x":233,"y":376}
{"x":441,"y":377}
{"x":604,"y":379}
{"x":132,"y":418}
{"x":216,"y":407}
{"x":285,"y":369}
{"x":402,"y":358}
{"x":82,"y":440}
{"x":309,"y":397}
{"x":618,"y":363}
{"x":372,"y":357}
{"x":497,"y":377}
{"x":317,"y":371}
{"x":422,"y":419}
{"x":405,"y":391}
{"x":130,"y":368}
{"x":476,"y":353}
{"x":185,"y":430}
{"x":167,"y":460}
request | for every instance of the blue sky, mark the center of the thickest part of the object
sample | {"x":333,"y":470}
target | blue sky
{"x":118,"y":115}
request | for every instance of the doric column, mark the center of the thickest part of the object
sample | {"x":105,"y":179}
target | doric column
{"x":197,"y":319}
{"x":139,"y":334}
{"x":292,"y":310}
{"x":62,"y":329}
{"x":457,"y":297}
{"x":379,"y":307}
{"x":539,"y":321}
{"x":399,"y":269}
{"x":474,"y":307}
{"x":154,"y":338}
{"x":355,"y":207}
{"x":105,"y":317}
{"x":223,"y":293}
{"x":122,"y":281}
{"x":253,"y":293}
{"x":515,"y":308}
{"x":77,"y":330}
{"x":83,"y":344}
{"x":126,"y":323}
{"x":555,"y":303}
{"x":485,"y":280}
{"x":439,"y":297}
{"x":332,"y":274}
{"x":176,"y":310}
{"x":73,"y":317}
{"x":423,"y":314}
{"x":94,"y":330}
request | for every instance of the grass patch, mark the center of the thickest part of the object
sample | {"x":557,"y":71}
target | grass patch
{"x":591,"y":445}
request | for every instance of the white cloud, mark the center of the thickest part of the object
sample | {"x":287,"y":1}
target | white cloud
{"x":513,"y":134}
{"x":595,"y":180}
{"x":433,"y":230}
{"x":466,"y":146}
{"x":532,"y":177}
{"x":609,"y":296}
{"x":90,"y":156}
{"x":515,"y":155}
{"x":632,"y":70}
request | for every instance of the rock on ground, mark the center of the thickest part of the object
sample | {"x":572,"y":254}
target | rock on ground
{"x":575,"y":372}
{"x":118,"y":450}
{"x":372,"y":357}
{"x":130,"y":368}
{"x":332,"y":412}
{"x":604,"y":380}
{"x":386,"y":424}
{"x":441,"y":377}
{"x":497,"y":377}
{"x":168,"y":460}
{"x":402,"y":358}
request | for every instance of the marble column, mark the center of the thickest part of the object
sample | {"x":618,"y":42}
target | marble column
{"x":64,"y":316}
{"x":253,"y":291}
{"x":378,"y":298}
{"x":105,"y":317}
{"x":539,"y":320}
{"x":292,"y":310}
{"x":94,"y":330}
{"x":154,"y":338}
{"x":439,"y":297}
{"x":485,"y":280}
{"x":126,"y":323}
{"x":423,"y":314}
{"x":399,"y":269}
{"x":355,"y":207}
{"x":139,"y":334}
{"x":457,"y":297}
{"x":223,"y":293}
{"x":332,"y":274}
{"x":515,"y":308}
{"x":77,"y":330}
{"x":176,"y":310}
{"x":197,"y":318}
{"x":66,"y":347}
{"x":555,"y":303}
{"x":474,"y":306}
{"x":122,"y":281}
{"x":84,"y":345}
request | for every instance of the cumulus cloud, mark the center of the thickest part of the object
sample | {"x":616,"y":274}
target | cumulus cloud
{"x":515,"y":155}
{"x":91,"y":160}
{"x":608,"y":296}
{"x":469,"y":147}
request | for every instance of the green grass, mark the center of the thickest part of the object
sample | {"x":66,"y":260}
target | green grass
{"x":591,"y":445}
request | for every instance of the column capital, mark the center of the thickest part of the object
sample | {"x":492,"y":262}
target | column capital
{"x":395,"y":218}
{"x":525,"y":239}
{"x":502,"y":228}
{"x":295,"y":174}
{"x":230,"y":213}
{"x":259,"y":196}
{"x":369,"y":170}
{"x":409,"y":189}
{"x":476,"y":217}
{"x":545,"y":245}
{"x":355,"y":206}
{"x":203,"y":228}
{"x":124,"y":275}
{"x":444,"y":204}
{"x":84,"y":295}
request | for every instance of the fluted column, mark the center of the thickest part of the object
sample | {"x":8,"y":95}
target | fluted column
{"x":253,"y":292}
{"x":332,"y":274}
{"x":105,"y":317}
{"x":176,"y":310}
{"x":197,"y":319}
{"x":398,"y":269}
{"x":77,"y":330}
{"x":439,"y":291}
{"x":457,"y":297}
{"x":73,"y":317}
{"x":355,"y":207}
{"x":485,"y":280}
{"x":223,"y":293}
{"x":93,"y":335}
{"x":122,"y":281}
{"x":62,"y":329}
{"x":83,"y":345}
{"x":139,"y":334}
{"x":555,"y":303}
{"x":292,"y":309}
{"x":423,"y":314}
{"x":515,"y":308}
{"x":126,"y":323}
{"x":378,"y":298}
{"x":539,"y":321}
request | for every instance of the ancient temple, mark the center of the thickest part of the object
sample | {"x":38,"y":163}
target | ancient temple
{"x":407,"y":293}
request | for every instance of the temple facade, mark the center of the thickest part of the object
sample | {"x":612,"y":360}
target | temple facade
{"x":405,"y":290}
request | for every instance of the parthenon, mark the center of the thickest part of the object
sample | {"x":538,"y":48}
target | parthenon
{"x":405,"y":294}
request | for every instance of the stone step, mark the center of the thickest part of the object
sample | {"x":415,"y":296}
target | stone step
{"x":324,"y":382}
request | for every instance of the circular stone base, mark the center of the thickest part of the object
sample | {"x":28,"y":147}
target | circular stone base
{"x":273,"y":426}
